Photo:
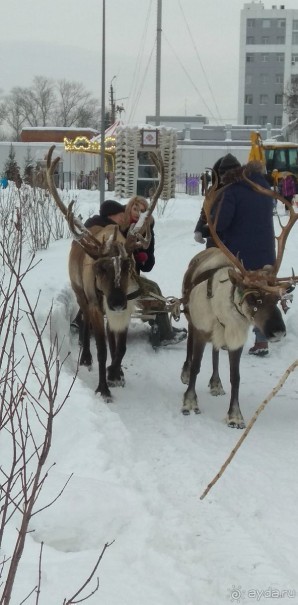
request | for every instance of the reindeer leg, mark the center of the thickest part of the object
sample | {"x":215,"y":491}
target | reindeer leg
{"x":97,"y":322}
{"x":117,"y":349}
{"x":234,"y":416}
{"x":215,"y":384}
{"x":187,"y":364}
{"x":86,"y":357}
{"x":190,"y":397}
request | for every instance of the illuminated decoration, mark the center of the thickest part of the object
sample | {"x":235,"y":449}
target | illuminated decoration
{"x":83,"y":145}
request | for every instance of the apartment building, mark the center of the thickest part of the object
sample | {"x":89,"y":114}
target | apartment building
{"x":268,"y":62}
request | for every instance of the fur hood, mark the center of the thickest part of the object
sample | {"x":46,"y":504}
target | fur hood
{"x":236,"y":174}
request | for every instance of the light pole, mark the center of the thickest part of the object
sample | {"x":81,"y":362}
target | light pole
{"x":103,"y":100}
{"x":158,"y":62}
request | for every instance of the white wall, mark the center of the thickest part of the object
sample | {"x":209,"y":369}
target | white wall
{"x":194,"y":159}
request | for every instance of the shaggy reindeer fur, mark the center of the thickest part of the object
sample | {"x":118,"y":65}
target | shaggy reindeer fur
{"x":105,"y":285}
{"x":220,"y":311}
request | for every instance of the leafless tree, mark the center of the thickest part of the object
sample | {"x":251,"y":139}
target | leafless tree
{"x":75,"y":106}
{"x":47,"y":102}
{"x":13,"y":113}
{"x":38,"y":102}
{"x":291,"y":99}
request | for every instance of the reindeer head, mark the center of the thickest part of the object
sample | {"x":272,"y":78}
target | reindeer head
{"x":113,"y":271}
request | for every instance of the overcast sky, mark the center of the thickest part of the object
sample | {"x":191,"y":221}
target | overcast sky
{"x":62,"y":39}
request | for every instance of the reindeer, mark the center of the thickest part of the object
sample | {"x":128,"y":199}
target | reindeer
{"x":103,"y":278}
{"x":222,"y":300}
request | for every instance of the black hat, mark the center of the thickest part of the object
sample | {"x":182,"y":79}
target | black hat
{"x":228,"y":162}
{"x":110,"y":207}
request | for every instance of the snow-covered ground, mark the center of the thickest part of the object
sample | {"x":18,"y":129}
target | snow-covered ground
{"x":139,"y":466}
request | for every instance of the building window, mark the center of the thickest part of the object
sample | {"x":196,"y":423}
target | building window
{"x":251,"y":22}
{"x":264,"y":57}
{"x":294,"y":80}
{"x":280,"y":40}
{"x":264,"y":78}
{"x":263,"y":120}
{"x":278,"y":99}
{"x":250,"y":58}
{"x":294,"y":59}
{"x":250,"y":40}
{"x":295,"y":38}
{"x":263,"y":99}
{"x":248,"y":100}
{"x":265,"y":40}
{"x":280,"y":57}
{"x":248,"y":79}
{"x":247,"y":119}
{"x":277,"y":121}
{"x":266,"y":23}
{"x":295,"y":24}
{"x":281,"y":23}
{"x":279,"y":78}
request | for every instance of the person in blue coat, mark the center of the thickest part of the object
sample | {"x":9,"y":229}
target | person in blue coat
{"x":245,"y":224}
{"x":3,"y":182}
{"x":245,"y":221}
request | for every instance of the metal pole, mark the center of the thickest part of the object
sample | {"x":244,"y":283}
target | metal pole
{"x":103,"y":102}
{"x":158,"y":63}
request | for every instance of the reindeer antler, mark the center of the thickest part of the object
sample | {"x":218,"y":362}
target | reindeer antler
{"x":159,"y":163}
{"x":285,"y":230}
{"x":135,"y":239}
{"x":209,"y":202}
{"x":80,"y":233}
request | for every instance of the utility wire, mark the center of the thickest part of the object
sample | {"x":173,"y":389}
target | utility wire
{"x":134,"y":92}
{"x":200,"y":61}
{"x":141,"y":84}
{"x":190,"y":79}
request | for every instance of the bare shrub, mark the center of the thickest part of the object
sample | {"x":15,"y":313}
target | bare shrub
{"x":41,"y":220}
{"x":30,"y":400}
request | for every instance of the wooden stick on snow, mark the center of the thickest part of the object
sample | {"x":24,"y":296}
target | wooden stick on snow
{"x":280,"y":384}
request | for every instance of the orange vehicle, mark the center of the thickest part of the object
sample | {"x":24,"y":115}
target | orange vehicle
{"x":279,"y":157}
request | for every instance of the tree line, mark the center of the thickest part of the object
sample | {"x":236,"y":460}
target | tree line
{"x":48,"y":102}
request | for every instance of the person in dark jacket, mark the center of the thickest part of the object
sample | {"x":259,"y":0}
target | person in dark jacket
{"x":201,"y":233}
{"x":245,"y":221}
{"x":110,"y":213}
{"x":245,"y":224}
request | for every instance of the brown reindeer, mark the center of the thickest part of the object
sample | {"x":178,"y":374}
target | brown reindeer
{"x":222,"y":300}
{"x":102,"y":276}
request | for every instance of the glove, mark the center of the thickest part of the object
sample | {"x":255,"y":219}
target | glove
{"x":199,"y":238}
{"x":141,"y":257}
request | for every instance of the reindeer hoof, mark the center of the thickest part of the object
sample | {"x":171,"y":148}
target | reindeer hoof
{"x":216,"y":390}
{"x":86,"y":360}
{"x":197,"y":410}
{"x":115,"y":378}
{"x":105,"y":394}
{"x":185,"y":412}
{"x":117,"y":382}
{"x":236,"y":424}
